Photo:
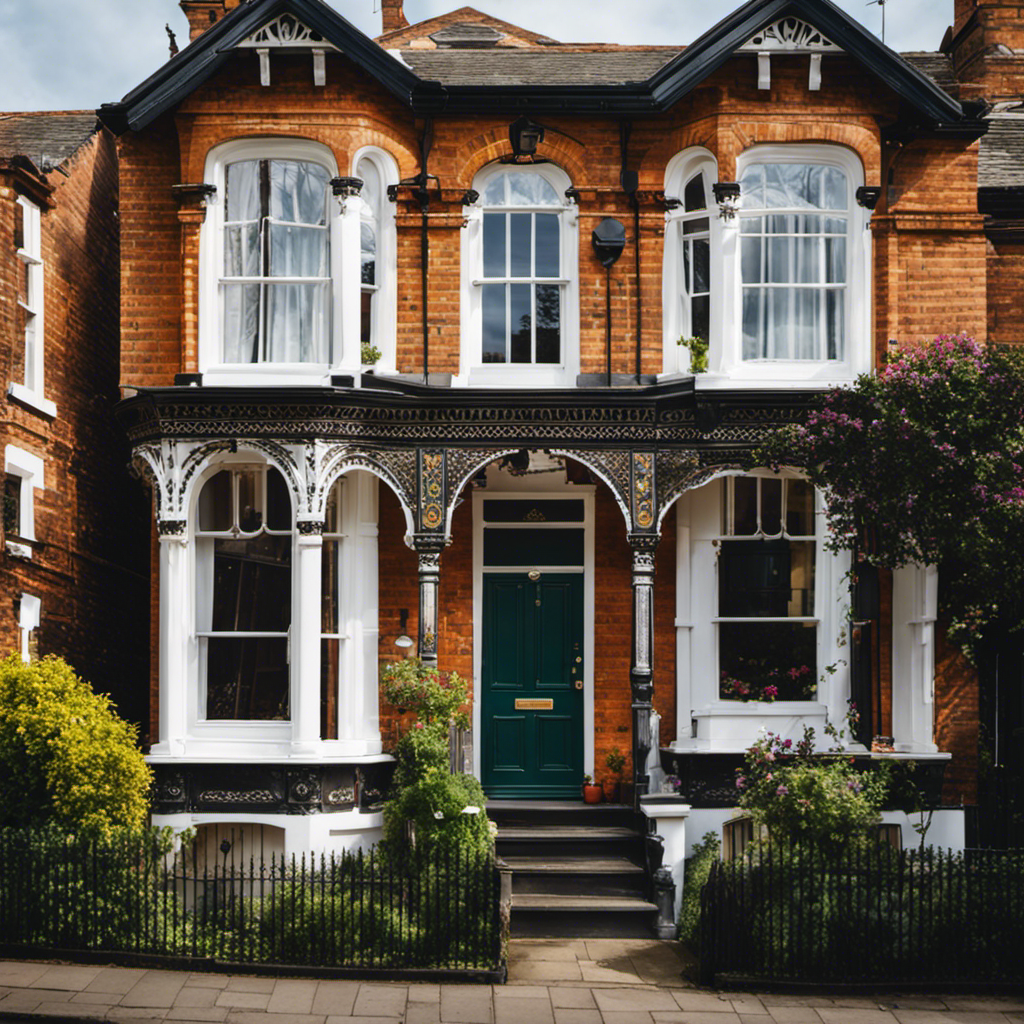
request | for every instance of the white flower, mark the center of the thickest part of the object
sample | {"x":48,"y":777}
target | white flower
{"x":470,"y":810}
{"x":439,"y":815}
{"x":492,"y":829}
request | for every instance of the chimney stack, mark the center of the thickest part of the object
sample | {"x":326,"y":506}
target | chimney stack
{"x":392,"y":16}
{"x":962,"y":11}
{"x":202,"y":14}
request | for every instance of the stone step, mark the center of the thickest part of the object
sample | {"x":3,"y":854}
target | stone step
{"x":543,"y":915}
{"x":577,"y":876}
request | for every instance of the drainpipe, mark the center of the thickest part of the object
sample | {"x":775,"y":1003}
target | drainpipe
{"x":630,"y":182}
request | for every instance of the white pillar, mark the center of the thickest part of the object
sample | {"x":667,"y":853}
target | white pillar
{"x":175,"y":630}
{"x":305,"y":640}
{"x":348,"y":287}
{"x":358,"y":711}
{"x":914,"y":601}
{"x":684,"y":625}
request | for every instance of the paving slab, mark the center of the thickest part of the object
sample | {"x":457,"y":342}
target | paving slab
{"x":29,"y":998}
{"x":569,"y":1015}
{"x":116,"y":981}
{"x":572,"y":998}
{"x":364,"y":1020}
{"x":841,"y":1015}
{"x":250,"y":1017}
{"x":264,"y":985}
{"x":335,"y":998}
{"x":424,"y":993}
{"x":520,"y":992}
{"x":711,"y":1017}
{"x":548,"y":971}
{"x":136,"y":1013}
{"x":197,"y":1013}
{"x":18,"y":974}
{"x":466,"y":1004}
{"x":794,"y":1014}
{"x":54,"y":1009}
{"x":423,"y":1013}
{"x":207,"y":981}
{"x":620,"y":972}
{"x":546,"y":949}
{"x":155,"y":988}
{"x":94,"y":999}
{"x":66,"y":976}
{"x":747,"y":1004}
{"x":1000,"y":1004}
{"x":380,"y":1001}
{"x":620,"y":999}
{"x":242,"y":1000}
{"x":626,"y":1017}
{"x":292,"y":995}
{"x":523,"y":1011}
{"x":707,"y":1002}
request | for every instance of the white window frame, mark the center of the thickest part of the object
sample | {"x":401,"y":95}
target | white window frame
{"x":675,"y":301}
{"x":29,"y":469}
{"x":211,"y":260}
{"x":227,"y":729}
{"x":726,"y":366}
{"x":385,"y":299}
{"x":29,"y":391}
{"x":29,"y":616}
{"x":704,"y":720}
{"x":473,"y":370}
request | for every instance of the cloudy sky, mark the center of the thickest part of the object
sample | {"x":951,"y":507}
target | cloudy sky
{"x":76,"y":54}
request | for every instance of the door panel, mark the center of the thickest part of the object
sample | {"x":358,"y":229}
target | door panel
{"x":531,"y":711}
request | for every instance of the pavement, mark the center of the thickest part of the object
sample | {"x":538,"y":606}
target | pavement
{"x":551,"y":981}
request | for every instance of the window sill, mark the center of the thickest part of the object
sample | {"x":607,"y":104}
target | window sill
{"x":520,"y":375}
{"x":777,"y":375}
{"x":27,"y":397}
{"x":18,"y":550}
{"x":268,"y":375}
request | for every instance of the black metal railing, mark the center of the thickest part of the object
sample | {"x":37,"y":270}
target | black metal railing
{"x":866,"y":914}
{"x":135,"y":893}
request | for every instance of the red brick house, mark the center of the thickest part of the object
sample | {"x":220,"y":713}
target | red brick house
{"x":532,"y":479}
{"x":68,"y":566}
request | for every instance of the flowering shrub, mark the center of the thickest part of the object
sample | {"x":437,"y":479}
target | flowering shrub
{"x":929,"y":455}
{"x":797,"y":795}
{"x":434,"y":696}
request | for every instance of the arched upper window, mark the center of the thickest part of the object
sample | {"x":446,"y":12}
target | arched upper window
{"x":692,"y":278}
{"x":268,"y":295}
{"x":377,"y":244}
{"x":522,"y":267}
{"x":782,"y":287}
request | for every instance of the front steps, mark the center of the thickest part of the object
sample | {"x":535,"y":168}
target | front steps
{"x":577,"y":869}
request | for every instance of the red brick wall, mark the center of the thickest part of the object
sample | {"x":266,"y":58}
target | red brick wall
{"x":1005,"y":266}
{"x":88,"y":566}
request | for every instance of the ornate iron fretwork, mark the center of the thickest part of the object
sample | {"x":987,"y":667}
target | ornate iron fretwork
{"x":642,"y":491}
{"x":431,"y":504}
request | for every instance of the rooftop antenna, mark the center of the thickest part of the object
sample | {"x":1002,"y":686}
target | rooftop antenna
{"x":880,"y":3}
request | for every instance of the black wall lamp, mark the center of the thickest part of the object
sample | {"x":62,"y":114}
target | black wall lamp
{"x":525,"y":136}
{"x":609,"y":239}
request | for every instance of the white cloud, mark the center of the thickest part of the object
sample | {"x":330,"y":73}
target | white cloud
{"x":67,"y":54}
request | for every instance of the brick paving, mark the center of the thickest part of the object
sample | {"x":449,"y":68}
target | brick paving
{"x":551,"y":981}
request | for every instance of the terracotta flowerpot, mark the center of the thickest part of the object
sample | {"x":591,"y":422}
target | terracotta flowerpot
{"x":611,"y":789}
{"x":592,"y":794}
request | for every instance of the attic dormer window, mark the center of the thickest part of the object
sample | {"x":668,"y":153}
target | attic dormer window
{"x":466,"y":35}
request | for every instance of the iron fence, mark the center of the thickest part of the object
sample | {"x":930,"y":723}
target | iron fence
{"x":797,"y":913}
{"x":135,"y":893}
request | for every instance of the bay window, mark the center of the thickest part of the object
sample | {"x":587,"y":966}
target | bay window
{"x":243,"y":531}
{"x":767,"y":626}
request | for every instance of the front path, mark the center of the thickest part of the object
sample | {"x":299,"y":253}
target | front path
{"x":551,"y":981}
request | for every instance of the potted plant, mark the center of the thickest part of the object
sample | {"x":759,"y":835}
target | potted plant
{"x":615,"y":761}
{"x":591,"y":792}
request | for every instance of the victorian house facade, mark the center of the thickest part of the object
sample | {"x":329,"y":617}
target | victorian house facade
{"x":534,"y":478}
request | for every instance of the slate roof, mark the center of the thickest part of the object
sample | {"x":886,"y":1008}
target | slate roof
{"x":938,"y":67}
{"x":1001,"y":160}
{"x":553,"y":67}
{"x":46,"y":138}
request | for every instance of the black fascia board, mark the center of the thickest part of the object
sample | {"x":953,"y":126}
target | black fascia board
{"x":186,"y":71}
{"x":715,"y":47}
{"x":1001,"y":201}
{"x":631,"y":99}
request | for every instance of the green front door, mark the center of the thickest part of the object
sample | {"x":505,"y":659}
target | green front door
{"x":532,"y":685}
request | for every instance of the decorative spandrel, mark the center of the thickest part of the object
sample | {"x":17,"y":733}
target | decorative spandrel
{"x":431,"y":491}
{"x":642,"y":491}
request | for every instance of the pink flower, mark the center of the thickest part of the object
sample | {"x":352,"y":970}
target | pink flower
{"x":782,"y":791}
{"x":771,"y":692}
{"x":418,"y":725}
{"x":741,"y":781}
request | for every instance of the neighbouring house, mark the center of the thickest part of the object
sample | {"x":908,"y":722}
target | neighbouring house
{"x":73,"y":563}
{"x":530,"y":478}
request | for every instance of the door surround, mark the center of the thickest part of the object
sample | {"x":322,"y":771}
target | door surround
{"x":529,"y":491}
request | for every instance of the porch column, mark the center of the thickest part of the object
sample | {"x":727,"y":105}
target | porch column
{"x":305,"y":643}
{"x":175,"y":619}
{"x":429,"y":551}
{"x":641,"y":673}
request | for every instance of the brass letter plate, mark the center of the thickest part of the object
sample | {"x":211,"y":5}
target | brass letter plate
{"x":534,"y":704}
